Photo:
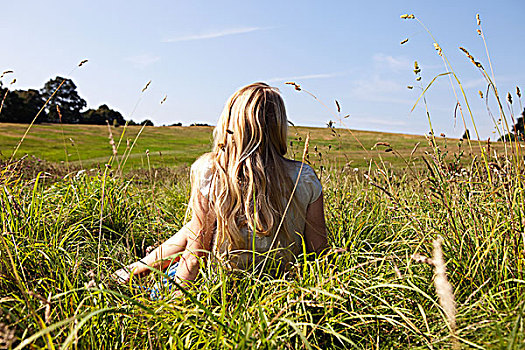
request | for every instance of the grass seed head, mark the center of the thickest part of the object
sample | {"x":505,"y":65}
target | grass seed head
{"x":146,"y":87}
{"x":444,"y":288}
{"x":479,"y":31}
{"x":417,"y":70}
{"x":438,"y":49}
{"x":381,"y":143}
{"x":509,"y":97}
{"x":111,"y":140}
{"x":476,"y":63}
{"x":5,"y":72}
{"x":82,"y":62}
{"x":407,"y":16}
{"x":480,"y":93}
{"x":478,"y":19}
{"x":59,"y":113}
{"x":403,"y":42}
{"x":518,"y":92}
{"x":421,"y":259}
{"x":296,"y":86}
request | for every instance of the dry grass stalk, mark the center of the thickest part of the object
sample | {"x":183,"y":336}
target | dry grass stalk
{"x":444,"y":289}
{"x":111,"y":140}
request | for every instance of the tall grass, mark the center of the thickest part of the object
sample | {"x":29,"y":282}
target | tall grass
{"x":462,"y":215}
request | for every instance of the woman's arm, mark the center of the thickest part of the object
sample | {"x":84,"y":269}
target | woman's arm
{"x":199,"y":241}
{"x":173,"y":245}
{"x":315,"y":229}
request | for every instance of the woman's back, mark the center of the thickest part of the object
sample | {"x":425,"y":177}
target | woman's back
{"x":307,"y":191}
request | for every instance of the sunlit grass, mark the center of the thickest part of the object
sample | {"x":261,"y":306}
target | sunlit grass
{"x":388,"y":198}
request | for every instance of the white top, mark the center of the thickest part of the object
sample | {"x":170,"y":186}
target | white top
{"x":307,"y":191}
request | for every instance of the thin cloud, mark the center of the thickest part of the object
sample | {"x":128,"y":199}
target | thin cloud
{"x":377,"y":89}
{"x":391,"y":121}
{"x":394,"y":63}
{"x":213,"y":35}
{"x":305,"y":77}
{"x":143,"y":60}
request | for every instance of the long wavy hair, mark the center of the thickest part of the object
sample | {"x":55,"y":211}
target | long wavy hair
{"x":250,"y":185}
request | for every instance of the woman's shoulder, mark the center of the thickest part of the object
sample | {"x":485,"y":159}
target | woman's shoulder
{"x":203,"y":162}
{"x":202,"y":173}
{"x":295,"y":167}
{"x":308,"y":185}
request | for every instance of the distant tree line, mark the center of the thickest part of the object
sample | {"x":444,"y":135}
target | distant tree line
{"x":517,"y":132}
{"x":64,"y":106}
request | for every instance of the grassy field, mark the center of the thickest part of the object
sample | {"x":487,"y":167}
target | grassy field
{"x":88,"y":145}
{"x":62,"y":240}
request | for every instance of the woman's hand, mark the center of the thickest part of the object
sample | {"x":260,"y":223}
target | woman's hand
{"x":122,"y":275}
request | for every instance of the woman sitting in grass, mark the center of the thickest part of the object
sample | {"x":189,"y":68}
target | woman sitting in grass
{"x":250,"y":205}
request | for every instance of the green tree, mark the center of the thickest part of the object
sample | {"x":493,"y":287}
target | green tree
{"x":66,"y":98}
{"x":519,"y":127}
{"x":517,"y":132}
{"x":20,"y":106}
{"x":100,"y":115}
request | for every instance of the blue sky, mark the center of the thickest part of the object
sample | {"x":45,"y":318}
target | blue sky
{"x":199,"y":52}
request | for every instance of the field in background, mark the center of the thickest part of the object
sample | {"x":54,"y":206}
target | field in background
{"x":88,"y":145}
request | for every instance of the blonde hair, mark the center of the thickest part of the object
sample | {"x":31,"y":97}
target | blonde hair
{"x":250,"y":185}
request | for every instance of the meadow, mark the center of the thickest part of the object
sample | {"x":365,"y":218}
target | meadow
{"x":85,"y":146}
{"x":426,"y":234}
